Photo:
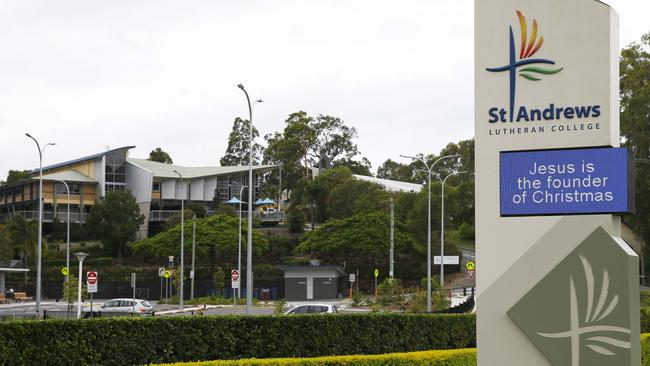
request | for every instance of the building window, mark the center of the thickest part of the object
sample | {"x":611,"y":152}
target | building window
{"x":155,"y":187}
{"x":60,"y":188}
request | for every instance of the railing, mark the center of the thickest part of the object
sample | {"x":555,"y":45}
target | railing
{"x":162,"y":215}
{"x":263,"y":216}
{"x":48,"y":216}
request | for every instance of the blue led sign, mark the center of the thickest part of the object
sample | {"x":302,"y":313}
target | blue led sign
{"x":565,"y":182}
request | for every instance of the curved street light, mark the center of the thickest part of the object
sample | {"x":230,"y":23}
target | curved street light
{"x":39,"y":250}
{"x":180,"y":278}
{"x":249,"y":247}
{"x":442,"y":225}
{"x":429,"y":169}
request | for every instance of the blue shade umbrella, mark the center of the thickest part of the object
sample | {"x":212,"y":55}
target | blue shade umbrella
{"x":268,"y":201}
{"x":259,"y":202}
{"x":233,"y":201}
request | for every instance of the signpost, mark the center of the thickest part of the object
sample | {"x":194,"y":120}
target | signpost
{"x":376,"y":275}
{"x":353,"y":278}
{"x":161,"y":274}
{"x":234,"y":283}
{"x":91,"y":286}
{"x":549,"y":176}
{"x":469,"y":269}
{"x":133,"y":285}
{"x":65,"y":271}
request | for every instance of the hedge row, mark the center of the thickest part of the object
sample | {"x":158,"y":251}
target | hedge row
{"x":121,"y":341}
{"x":458,"y":357}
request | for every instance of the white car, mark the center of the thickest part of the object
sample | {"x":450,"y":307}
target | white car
{"x":313,"y":309}
{"x":124,"y":306}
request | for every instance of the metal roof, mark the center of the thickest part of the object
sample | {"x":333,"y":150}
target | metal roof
{"x":163,"y":170}
{"x":68,"y":176}
{"x":338,"y":269}
{"x":79,"y":160}
{"x":391,"y":185}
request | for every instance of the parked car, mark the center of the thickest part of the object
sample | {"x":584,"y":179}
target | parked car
{"x":124,"y":306}
{"x":313,"y":309}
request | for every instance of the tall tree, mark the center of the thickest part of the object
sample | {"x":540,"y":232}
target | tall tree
{"x":635,"y":125}
{"x":311,"y":142}
{"x":396,"y":171}
{"x":6,"y":244}
{"x":115,"y":219}
{"x":16,"y":175}
{"x":160,"y":156}
{"x":238,"y":148}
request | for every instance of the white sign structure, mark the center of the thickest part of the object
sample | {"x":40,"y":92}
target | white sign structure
{"x":234,"y":278}
{"x":161,"y":271}
{"x":91,"y":282}
{"x":546,"y":77}
{"x":449,"y":259}
{"x":353,"y":277}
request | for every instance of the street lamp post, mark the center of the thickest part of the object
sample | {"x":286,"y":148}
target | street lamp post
{"x":180,"y":278}
{"x":39,"y":251}
{"x":80,"y":256}
{"x":429,"y":169}
{"x":241,"y":192}
{"x":442,"y":226}
{"x":249,"y":248}
{"x":193,"y":253}
{"x":67,"y":250}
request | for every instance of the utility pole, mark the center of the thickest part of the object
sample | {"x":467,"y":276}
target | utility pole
{"x":392,"y":238}
{"x":193,"y":254}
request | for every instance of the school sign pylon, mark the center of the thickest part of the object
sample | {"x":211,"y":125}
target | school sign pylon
{"x":558,"y":285}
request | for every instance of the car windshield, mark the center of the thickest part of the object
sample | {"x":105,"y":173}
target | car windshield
{"x":146,"y":304}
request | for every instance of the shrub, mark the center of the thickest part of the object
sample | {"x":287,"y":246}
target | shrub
{"x":457,"y":357}
{"x":121,"y":341}
{"x":466,"y":231}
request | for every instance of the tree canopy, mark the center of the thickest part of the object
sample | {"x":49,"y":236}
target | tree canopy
{"x":16,"y":175}
{"x":361,"y":240}
{"x":216,"y":236}
{"x":238,"y":148}
{"x":160,"y":156}
{"x":115,"y":220}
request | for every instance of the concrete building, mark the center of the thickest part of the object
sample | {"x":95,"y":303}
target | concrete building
{"x":155,"y":186}
{"x":313,"y":282}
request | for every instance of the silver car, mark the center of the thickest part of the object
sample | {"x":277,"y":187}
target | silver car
{"x":125,"y":306}
{"x":313,"y":309}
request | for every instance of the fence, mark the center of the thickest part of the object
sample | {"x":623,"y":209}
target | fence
{"x":65,"y":314}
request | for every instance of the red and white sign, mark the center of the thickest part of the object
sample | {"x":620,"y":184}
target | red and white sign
{"x":234,"y":277}
{"x":91,"y":281}
{"x":470,"y":273}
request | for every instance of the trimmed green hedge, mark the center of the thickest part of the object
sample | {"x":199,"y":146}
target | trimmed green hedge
{"x":456,"y":357}
{"x":121,"y":341}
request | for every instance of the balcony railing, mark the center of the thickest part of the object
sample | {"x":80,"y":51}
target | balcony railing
{"x":264,"y":216}
{"x":48,"y":216}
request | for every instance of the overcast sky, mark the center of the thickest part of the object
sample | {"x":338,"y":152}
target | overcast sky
{"x":91,"y":74}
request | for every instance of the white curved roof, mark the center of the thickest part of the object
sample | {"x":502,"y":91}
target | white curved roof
{"x":391,"y":185}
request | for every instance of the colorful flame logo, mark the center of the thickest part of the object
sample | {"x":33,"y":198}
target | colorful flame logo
{"x":525,"y":52}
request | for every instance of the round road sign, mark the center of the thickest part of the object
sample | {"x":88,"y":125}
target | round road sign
{"x":376,"y":273}
{"x":470,"y":266}
{"x":234,"y":275}
{"x":167,"y":274}
{"x":65,"y":271}
{"x":91,"y":278}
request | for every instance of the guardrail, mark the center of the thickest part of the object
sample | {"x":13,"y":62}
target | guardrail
{"x":263,"y":216}
{"x":48,"y":216}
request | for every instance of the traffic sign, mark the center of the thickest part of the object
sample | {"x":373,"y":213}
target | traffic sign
{"x":191,"y":274}
{"x":171,"y":260}
{"x":470,"y":272}
{"x":65,"y":271}
{"x":449,"y":259}
{"x":161,"y":271}
{"x":376,"y":273}
{"x":167,"y":274}
{"x":91,"y":281}
{"x":234,"y":275}
{"x":234,"y":284}
{"x":470,"y":266}
{"x":353,"y":277}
